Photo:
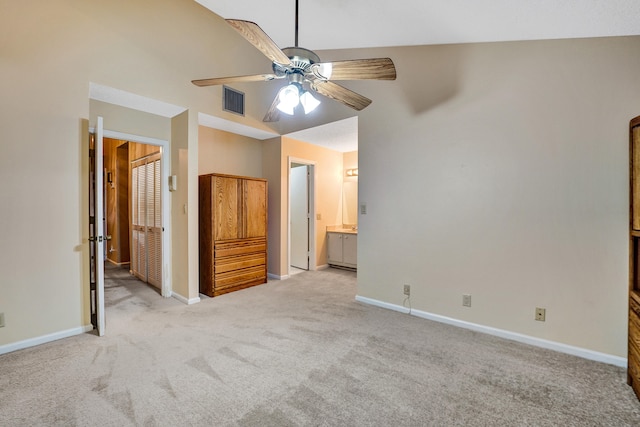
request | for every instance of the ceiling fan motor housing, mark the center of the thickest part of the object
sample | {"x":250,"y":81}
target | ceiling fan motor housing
{"x":301,"y":60}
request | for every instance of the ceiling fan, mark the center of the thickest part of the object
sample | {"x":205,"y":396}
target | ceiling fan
{"x":305,"y":73}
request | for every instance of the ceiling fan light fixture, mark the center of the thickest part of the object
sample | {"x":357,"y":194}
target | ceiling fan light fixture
{"x":289,"y":98}
{"x":287,"y":109}
{"x":309,"y":102}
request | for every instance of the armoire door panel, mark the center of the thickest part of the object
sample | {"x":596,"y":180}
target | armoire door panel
{"x":226,"y":207}
{"x":635,"y":177}
{"x":633,"y":347}
{"x":255,"y":202}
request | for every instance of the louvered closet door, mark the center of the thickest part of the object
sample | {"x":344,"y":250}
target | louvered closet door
{"x":138,"y":220}
{"x":154,"y":224}
{"x":135,"y":262}
{"x":146,"y":220}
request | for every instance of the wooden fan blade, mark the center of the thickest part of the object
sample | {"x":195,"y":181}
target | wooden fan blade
{"x":254,"y":35}
{"x":236,"y":79}
{"x":341,"y":94}
{"x":273,"y":114}
{"x":359,"y":69}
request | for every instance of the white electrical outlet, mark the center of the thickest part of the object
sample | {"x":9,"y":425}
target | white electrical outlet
{"x":541,"y":313}
{"x":466,"y":300}
{"x":1,"y":320}
{"x":407,"y":290}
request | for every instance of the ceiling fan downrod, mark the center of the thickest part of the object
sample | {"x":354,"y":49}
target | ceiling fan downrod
{"x":296,"y":28}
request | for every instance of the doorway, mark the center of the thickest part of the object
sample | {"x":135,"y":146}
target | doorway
{"x":301,"y":214}
{"x":133,"y":209}
{"x":103,"y":179}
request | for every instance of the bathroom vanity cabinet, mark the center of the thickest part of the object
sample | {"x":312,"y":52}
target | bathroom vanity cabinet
{"x":342,"y":249}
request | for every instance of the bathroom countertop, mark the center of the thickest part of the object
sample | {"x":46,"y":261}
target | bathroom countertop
{"x":343,"y":230}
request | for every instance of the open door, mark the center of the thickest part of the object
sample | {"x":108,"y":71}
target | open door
{"x":299,"y":214}
{"x":97,"y":239}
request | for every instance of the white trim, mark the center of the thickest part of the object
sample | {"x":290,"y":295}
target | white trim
{"x":514,"y":336}
{"x":274,"y":277}
{"x":185,"y":300}
{"x":322,"y":267}
{"x":31,"y":342}
{"x":135,"y":138}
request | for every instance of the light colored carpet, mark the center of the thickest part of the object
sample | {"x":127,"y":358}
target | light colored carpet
{"x":298,"y":352}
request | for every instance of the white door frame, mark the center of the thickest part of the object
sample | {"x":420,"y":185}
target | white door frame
{"x":312,"y":211}
{"x":166,"y":290}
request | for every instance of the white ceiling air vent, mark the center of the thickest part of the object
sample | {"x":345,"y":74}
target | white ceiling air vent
{"x":232,"y":100}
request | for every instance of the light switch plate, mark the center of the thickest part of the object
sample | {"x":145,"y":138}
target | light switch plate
{"x":466,"y":300}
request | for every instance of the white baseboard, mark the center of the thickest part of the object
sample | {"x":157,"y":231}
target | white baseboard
{"x":276,"y":277}
{"x":8,"y":348}
{"x":322,"y":267}
{"x":526,"y":339}
{"x":185,"y":300}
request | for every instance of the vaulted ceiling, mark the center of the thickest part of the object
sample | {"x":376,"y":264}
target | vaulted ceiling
{"x":352,"y":24}
{"x":340,"y":24}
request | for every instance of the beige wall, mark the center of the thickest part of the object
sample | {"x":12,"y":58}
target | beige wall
{"x":228,"y":153}
{"x":350,"y":190}
{"x":497,"y":169}
{"x":272,"y":171}
{"x":501,"y":171}
{"x":130,"y":121}
{"x":350,"y":160}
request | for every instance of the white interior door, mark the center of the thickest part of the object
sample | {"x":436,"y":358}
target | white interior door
{"x":97,"y":237}
{"x":299,"y":206}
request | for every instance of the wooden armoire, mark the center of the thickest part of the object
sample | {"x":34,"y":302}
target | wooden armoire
{"x":633,"y":370}
{"x":233,"y":233}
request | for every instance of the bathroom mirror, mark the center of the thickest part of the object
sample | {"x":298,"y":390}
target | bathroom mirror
{"x":350,"y":202}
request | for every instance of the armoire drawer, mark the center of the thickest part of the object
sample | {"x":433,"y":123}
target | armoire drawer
{"x":234,"y":278}
{"x":239,"y":247}
{"x":633,"y":368}
{"x":227,"y":264}
{"x":634,"y":330}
